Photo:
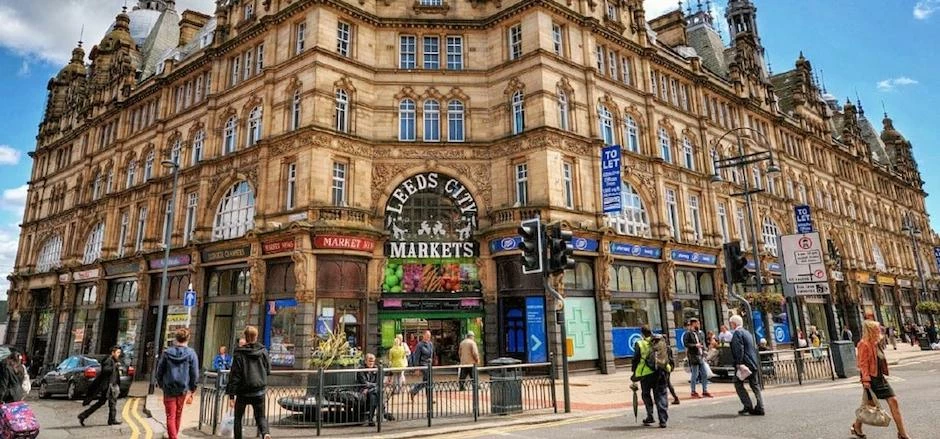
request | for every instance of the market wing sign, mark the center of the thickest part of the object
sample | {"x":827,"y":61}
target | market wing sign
{"x":431,"y":219}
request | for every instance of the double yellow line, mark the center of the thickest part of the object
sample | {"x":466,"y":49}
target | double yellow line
{"x":132,"y":416}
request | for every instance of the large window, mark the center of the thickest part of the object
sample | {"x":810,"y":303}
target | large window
{"x":567,"y":178}
{"x":432,"y":53}
{"x":695,"y":216}
{"x":176,"y":151}
{"x":295,"y":111}
{"x":770,"y":232}
{"x":563,"y":111}
{"x":406,"y":120}
{"x":93,"y":244}
{"x":606,"y":125}
{"x":189,"y":227}
{"x":300,"y":32}
{"x":631,"y":134}
{"x":235,"y":215}
{"x":343,"y":38}
{"x":198,"y":143}
{"x":342,"y":110}
{"x":723,"y":222}
{"x":229,"y":134}
{"x":672,"y":213}
{"x":291,"y":189}
{"x":665,"y":146}
{"x":254,"y":126}
{"x":522,"y":184}
{"x":407,"y":51}
{"x":148,"y":166}
{"x":515,"y":42}
{"x":632,"y":219}
{"x":518,"y":112}
{"x":455,"y":121}
{"x":688,"y":154}
{"x":338,"y":190}
{"x":558,"y":42}
{"x":122,"y":234}
{"x":432,"y":121}
{"x":141,"y":228}
{"x":455,"y":53}
{"x":50,"y":255}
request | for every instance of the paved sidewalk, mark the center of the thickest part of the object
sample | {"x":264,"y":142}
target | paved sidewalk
{"x":591,"y":394}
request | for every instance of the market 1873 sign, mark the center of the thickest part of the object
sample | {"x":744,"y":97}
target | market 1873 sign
{"x":431,"y":215}
{"x":431,"y":218}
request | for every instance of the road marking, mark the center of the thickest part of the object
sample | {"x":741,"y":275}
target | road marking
{"x":126,"y":414}
{"x":148,"y":432}
{"x":503,"y":431}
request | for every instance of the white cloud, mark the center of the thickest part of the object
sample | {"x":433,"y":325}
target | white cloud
{"x":925,"y":8}
{"x":892,"y":83}
{"x":656,"y":8}
{"x":47,"y":30}
{"x":9,"y":242}
{"x":24,"y":69}
{"x":14,"y":200}
{"x":9,"y":155}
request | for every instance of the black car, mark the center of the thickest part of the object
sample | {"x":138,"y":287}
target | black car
{"x":74,"y":374}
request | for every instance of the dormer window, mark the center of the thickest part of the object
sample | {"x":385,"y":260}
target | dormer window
{"x":249,"y":11}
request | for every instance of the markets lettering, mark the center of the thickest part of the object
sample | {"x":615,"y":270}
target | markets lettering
{"x":413,"y":250}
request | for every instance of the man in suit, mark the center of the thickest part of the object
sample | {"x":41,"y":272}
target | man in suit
{"x":744,"y":354}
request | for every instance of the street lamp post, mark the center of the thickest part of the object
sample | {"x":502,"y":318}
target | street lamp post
{"x":174,"y":168}
{"x":908,"y":226}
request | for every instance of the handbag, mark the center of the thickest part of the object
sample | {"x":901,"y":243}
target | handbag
{"x":708,"y":370}
{"x":870,"y":412}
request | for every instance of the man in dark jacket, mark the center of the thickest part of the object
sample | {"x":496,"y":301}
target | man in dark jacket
{"x":423,"y":357}
{"x":177,"y":373}
{"x":105,"y":388}
{"x":744,"y":354}
{"x":248,"y":380}
{"x":694,"y":341}
{"x":368,"y":381}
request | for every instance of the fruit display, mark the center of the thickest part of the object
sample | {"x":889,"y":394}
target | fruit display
{"x":412,"y":277}
{"x":392,"y":281}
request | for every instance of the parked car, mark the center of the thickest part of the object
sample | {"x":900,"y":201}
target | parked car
{"x":74,"y":374}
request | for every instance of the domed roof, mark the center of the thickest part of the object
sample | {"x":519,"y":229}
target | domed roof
{"x":142,"y":22}
{"x":889,"y":134}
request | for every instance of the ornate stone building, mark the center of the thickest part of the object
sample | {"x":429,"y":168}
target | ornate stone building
{"x":367,"y":162}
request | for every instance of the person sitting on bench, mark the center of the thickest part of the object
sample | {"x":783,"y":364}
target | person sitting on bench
{"x":368,"y":386}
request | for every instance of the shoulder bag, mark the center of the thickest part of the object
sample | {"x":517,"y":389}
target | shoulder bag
{"x":870,"y":412}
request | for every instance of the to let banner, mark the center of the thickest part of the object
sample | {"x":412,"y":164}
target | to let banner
{"x":610,"y":178}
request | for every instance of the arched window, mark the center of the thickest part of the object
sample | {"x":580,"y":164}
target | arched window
{"x":235,"y":215}
{"x":50,"y":255}
{"x":665,"y":146}
{"x":688,"y":154}
{"x":176,"y":151}
{"x":148,"y":166}
{"x":563,"y":110}
{"x":199,"y":142}
{"x":606,"y":124}
{"x":254,"y":126}
{"x":131,"y":173}
{"x":406,"y":120}
{"x":295,"y":111}
{"x":229,"y":135}
{"x":432,"y":121}
{"x":518,"y":112}
{"x":455,"y":121}
{"x":632,"y":134}
{"x":93,"y":244}
{"x":632,"y":218}
{"x":342,"y":110}
{"x":771,"y":232}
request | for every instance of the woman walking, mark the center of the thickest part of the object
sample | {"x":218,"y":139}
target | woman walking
{"x":873,"y":368}
{"x":398,"y":357}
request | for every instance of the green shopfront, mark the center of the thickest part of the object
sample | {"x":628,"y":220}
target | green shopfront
{"x":430,"y":280}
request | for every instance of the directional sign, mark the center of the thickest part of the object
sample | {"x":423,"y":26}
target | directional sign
{"x":811,"y":289}
{"x":610,"y":178}
{"x":804,"y":220}
{"x":189,"y":298}
{"x":803,"y":258}
{"x":535,"y":326}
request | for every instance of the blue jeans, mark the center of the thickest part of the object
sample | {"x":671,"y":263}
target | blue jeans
{"x":698,"y":376}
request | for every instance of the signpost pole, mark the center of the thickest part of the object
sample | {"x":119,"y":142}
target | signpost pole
{"x":560,"y":319}
{"x":174,"y":167}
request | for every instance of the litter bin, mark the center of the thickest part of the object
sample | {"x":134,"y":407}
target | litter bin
{"x":505,"y":387}
{"x":843,"y":358}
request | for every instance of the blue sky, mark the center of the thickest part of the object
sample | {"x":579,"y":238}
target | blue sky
{"x":884,"y":50}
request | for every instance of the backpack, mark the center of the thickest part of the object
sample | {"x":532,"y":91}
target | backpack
{"x":658,"y":358}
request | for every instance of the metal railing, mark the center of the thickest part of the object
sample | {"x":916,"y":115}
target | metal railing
{"x":797,"y":365}
{"x":342,"y":397}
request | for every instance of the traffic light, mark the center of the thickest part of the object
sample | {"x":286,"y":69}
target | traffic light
{"x":735,"y":263}
{"x":532,"y":245}
{"x":560,"y":249}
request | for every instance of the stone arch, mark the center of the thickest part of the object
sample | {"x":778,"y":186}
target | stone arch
{"x":206,"y":217}
{"x":224,"y":117}
{"x":647,"y":196}
{"x":472,"y":187}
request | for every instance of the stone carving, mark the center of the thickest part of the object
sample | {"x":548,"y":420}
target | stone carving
{"x":479,"y":175}
{"x":667,"y":278}
{"x":382,"y":175}
{"x":258,"y":271}
{"x":303,"y":293}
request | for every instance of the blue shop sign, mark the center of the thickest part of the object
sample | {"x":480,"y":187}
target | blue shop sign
{"x":535,"y":326}
{"x":694,"y":257}
{"x":584,"y":244}
{"x":505,"y":244}
{"x":638,"y":251}
{"x":625,"y":338}
{"x":773,"y":267}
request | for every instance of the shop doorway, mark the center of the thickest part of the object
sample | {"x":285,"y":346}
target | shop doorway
{"x":445,"y":334}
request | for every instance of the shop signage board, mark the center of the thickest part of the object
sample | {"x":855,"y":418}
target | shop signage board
{"x":804,"y":269}
{"x":837,"y":276}
{"x":694,"y":257}
{"x":127,"y":267}
{"x":512,"y":243}
{"x":342,"y":242}
{"x":173,"y":261}
{"x":535,"y":327}
{"x":804,"y":219}
{"x":610,"y":178}
{"x":226,"y":253}
{"x":637,"y":251}
{"x":278,"y":246}
{"x":86,"y":274}
{"x":65,"y":277}
{"x":904,"y":283}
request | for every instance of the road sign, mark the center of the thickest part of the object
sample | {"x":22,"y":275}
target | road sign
{"x":803,"y":258}
{"x":804,"y":219}
{"x":811,"y":289}
{"x":535,"y":324}
{"x":610,"y":178}
{"x":189,"y":298}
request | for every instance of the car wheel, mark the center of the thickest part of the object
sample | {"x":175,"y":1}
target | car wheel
{"x":72,"y":391}
{"x":43,"y":391}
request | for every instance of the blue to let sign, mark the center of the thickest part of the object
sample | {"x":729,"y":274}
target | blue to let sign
{"x":936,"y":255}
{"x":610,"y":178}
{"x":189,"y":299}
{"x":804,"y":219}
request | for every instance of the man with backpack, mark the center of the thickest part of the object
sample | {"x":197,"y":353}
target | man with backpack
{"x":651,"y":367}
{"x":177,"y":373}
